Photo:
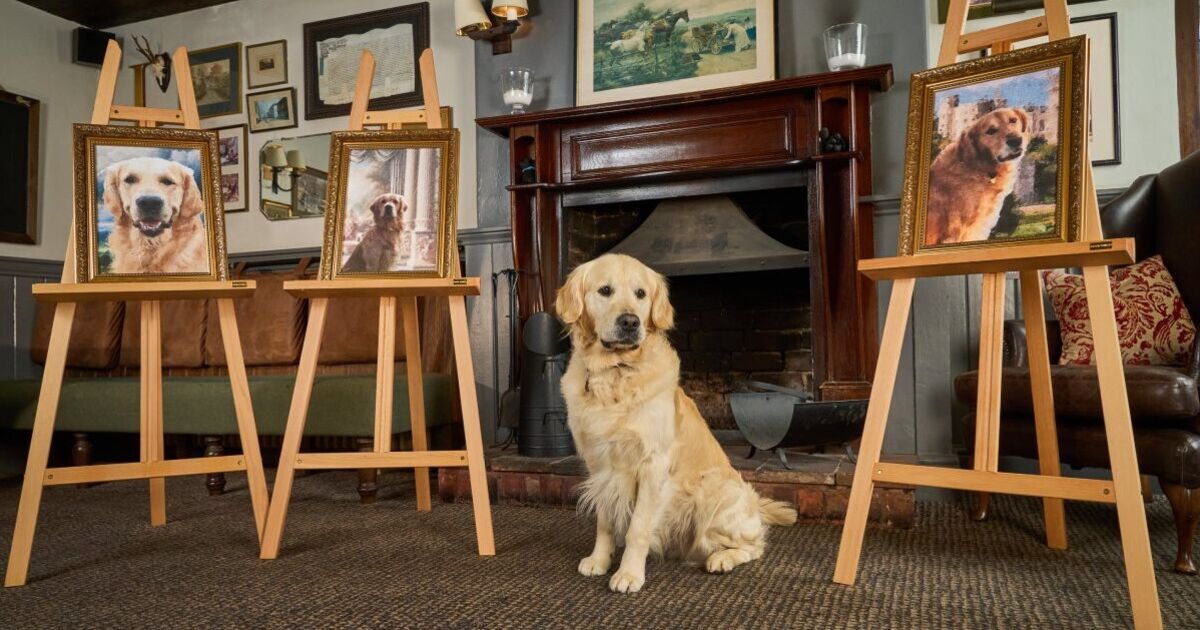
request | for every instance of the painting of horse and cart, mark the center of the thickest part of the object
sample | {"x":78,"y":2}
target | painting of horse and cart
{"x":640,"y":48}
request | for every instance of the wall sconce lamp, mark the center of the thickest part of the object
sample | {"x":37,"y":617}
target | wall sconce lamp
{"x":473,"y":21}
{"x":291,"y":163}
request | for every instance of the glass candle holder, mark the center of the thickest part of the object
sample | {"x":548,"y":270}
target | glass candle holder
{"x":846,"y":46}
{"x":516,"y":86}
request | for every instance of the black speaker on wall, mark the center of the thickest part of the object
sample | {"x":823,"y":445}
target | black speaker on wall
{"x":88,"y":46}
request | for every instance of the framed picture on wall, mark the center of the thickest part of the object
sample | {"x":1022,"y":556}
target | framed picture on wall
{"x":266,"y":64}
{"x":235,"y":172}
{"x":273,"y":109}
{"x":625,"y":49}
{"x":333,"y":49}
{"x":19,"y":140}
{"x":1104,"y":106}
{"x":217,"y":79}
{"x":989,"y":8}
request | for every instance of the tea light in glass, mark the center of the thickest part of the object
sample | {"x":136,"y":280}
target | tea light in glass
{"x":516,"y":85}
{"x":846,"y":46}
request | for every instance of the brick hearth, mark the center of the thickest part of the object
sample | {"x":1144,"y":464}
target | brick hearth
{"x":819,"y":485}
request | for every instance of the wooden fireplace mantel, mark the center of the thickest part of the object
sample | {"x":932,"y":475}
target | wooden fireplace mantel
{"x":753,"y":137}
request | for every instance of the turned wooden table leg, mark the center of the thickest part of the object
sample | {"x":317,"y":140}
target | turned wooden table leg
{"x":81,"y":454}
{"x":1185,"y":503}
{"x":214,"y":447}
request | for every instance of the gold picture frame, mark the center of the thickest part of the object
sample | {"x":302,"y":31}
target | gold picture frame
{"x":96,"y":149}
{"x":995,"y":147}
{"x":391,"y":163}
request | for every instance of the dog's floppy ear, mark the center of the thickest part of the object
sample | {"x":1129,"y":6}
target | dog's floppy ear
{"x":375,"y":206}
{"x":403,"y":204}
{"x":979,"y":151}
{"x":662,"y":314}
{"x":1024,"y":119}
{"x":112,"y":191}
{"x":193,"y":203}
{"x":569,"y":302}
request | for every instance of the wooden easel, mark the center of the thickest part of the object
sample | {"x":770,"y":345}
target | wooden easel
{"x":390,"y":292}
{"x":152,"y":465}
{"x":1093,"y":255}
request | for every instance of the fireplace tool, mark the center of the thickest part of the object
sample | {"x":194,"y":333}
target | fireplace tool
{"x":543,"y":429}
{"x":773,"y":418}
{"x":508,"y":402}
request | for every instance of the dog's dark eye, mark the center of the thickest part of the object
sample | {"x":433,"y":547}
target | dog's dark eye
{"x":1012,"y":120}
{"x":640,"y":293}
{"x":605,"y":290}
{"x":166,"y":181}
{"x":992,"y":131}
{"x":131,"y":179}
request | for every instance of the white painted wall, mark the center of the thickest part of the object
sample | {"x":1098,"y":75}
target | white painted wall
{"x":257,"y":21}
{"x":1146,"y":67}
{"x":36,"y":48}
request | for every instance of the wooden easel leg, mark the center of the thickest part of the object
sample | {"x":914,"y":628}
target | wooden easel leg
{"x":476,"y":468}
{"x":385,"y":375}
{"x":39,"y":445}
{"x":1131,"y":514}
{"x":1043,"y":402}
{"x":892,"y":341}
{"x":244,"y":411}
{"x":987,"y":406}
{"x":151,"y":407}
{"x":416,"y":396}
{"x":297,"y":415}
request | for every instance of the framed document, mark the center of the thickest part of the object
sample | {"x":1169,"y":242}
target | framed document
{"x":333,"y":49}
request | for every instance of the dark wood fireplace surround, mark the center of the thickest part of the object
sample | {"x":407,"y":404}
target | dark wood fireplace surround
{"x":762,"y":136}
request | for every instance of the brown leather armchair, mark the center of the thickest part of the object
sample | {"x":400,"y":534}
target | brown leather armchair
{"x":1161,"y":213}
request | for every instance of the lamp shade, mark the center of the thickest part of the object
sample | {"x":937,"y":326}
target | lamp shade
{"x":510,"y":9}
{"x":470,"y":16}
{"x":273,"y":156}
{"x":295,"y":159}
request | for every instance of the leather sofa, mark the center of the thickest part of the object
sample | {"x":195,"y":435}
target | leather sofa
{"x":1160,"y":212}
{"x":101,"y":390}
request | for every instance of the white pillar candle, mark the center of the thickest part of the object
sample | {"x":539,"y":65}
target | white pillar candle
{"x":847,"y":60}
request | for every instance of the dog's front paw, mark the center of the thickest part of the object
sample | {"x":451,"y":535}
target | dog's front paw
{"x":593,"y":565}
{"x":624,"y":581}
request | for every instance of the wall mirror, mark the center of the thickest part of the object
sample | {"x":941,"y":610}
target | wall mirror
{"x":293,"y":177}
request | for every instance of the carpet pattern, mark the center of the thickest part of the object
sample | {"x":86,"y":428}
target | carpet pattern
{"x":97,"y":563}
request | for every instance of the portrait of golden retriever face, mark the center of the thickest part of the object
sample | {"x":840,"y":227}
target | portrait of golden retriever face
{"x":388,"y":209}
{"x":1000,"y":136}
{"x":151,"y":194}
{"x":616,"y":300}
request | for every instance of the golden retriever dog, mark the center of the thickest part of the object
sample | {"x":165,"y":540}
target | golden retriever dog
{"x":157,"y":207}
{"x":381,"y":247}
{"x":658,"y":482}
{"x":972,"y":176}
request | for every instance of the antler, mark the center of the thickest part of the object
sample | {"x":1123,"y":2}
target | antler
{"x":143,"y":46}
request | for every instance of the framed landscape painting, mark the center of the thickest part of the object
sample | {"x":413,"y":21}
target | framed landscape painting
{"x":627,"y":49}
{"x":994,"y":151}
{"x":217,"y":79}
{"x":391,"y":204}
{"x":147,"y":204}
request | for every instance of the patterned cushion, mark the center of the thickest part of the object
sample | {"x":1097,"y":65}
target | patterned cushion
{"x":1152,"y":322}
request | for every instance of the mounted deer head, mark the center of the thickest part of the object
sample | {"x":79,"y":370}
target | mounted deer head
{"x":160,"y":62}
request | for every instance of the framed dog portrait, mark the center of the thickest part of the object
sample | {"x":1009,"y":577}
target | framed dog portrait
{"x":995,"y":148}
{"x":390,"y":211}
{"x":217,"y":79}
{"x":147,"y":204}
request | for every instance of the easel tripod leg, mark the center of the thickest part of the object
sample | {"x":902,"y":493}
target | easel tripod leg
{"x":1118,"y":427}
{"x":244,"y":411}
{"x":297,"y":415}
{"x":987,"y":405}
{"x":476,"y":468}
{"x":39,"y":445}
{"x":876,"y":424}
{"x":416,"y":396}
{"x":151,"y":407}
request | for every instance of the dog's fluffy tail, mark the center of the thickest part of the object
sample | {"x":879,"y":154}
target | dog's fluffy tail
{"x":776,"y":512}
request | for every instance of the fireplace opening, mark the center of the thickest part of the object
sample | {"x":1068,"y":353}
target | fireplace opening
{"x":737,"y":266}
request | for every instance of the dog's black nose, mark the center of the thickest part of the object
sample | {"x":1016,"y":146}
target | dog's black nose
{"x":1014,"y":141}
{"x":629,"y":322}
{"x":150,"y":204}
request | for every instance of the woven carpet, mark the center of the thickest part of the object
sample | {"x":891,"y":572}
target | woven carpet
{"x":98,"y":564}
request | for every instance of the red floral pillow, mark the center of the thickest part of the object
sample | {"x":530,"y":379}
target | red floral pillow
{"x":1153,"y":324}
